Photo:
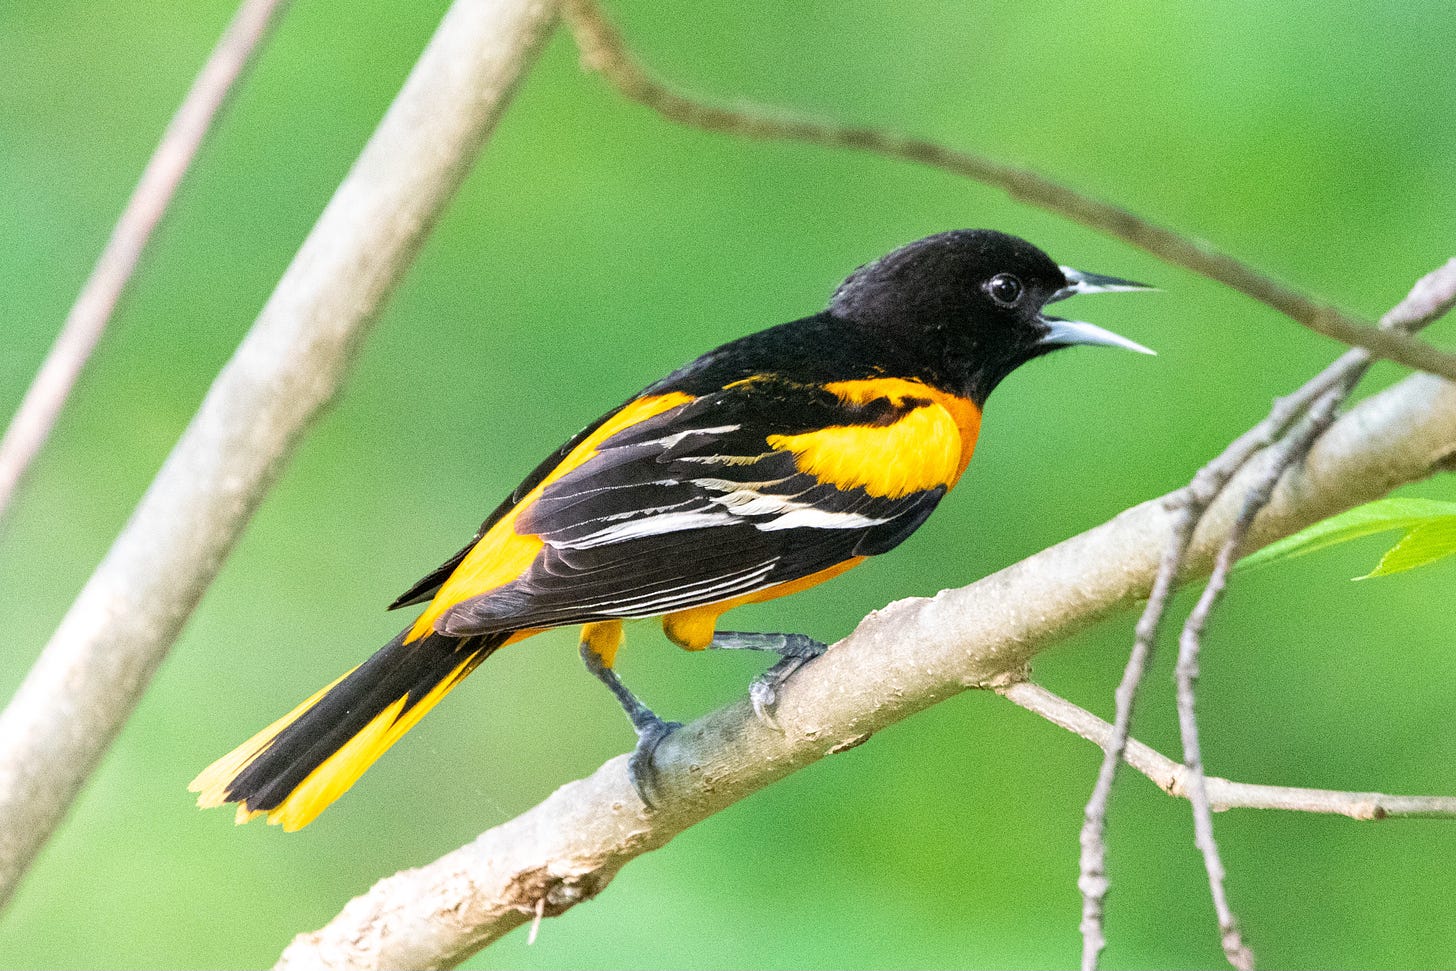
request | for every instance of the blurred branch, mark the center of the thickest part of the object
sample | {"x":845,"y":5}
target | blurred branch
{"x":899,"y":660}
{"x":1292,"y":436}
{"x":1174,"y":777}
{"x":604,"y":50}
{"x":288,"y":368}
{"x":93,"y":308}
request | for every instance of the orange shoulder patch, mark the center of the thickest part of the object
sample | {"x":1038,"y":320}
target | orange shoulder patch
{"x":927,"y":446}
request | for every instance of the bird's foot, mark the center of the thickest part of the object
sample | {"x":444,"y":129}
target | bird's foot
{"x":795,"y":650}
{"x":651,"y":730}
{"x":641,"y":769}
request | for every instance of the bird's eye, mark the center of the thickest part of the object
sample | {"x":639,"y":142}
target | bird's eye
{"x":1004,"y":288}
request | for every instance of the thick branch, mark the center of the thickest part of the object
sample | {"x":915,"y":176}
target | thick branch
{"x":603,"y":50}
{"x":898,"y":661}
{"x":1174,"y":778}
{"x":286,"y":371}
{"x":93,"y":308}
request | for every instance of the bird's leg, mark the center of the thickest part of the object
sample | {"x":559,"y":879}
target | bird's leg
{"x":651,"y":730}
{"x":794,"y":650}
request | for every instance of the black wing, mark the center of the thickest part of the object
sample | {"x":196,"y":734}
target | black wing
{"x":695,"y":506}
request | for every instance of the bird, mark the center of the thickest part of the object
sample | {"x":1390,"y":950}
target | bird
{"x":762,"y":468}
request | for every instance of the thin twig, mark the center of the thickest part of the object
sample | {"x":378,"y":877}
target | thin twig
{"x":604,"y":50}
{"x":1189,"y":506}
{"x":1174,"y":778}
{"x":1092,"y":878}
{"x":1431,"y":297}
{"x":1288,"y":452}
{"x":286,"y":371}
{"x":92,"y":311}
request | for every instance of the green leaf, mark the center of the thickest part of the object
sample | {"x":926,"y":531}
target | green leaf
{"x":1432,"y":541}
{"x":1373,"y":517}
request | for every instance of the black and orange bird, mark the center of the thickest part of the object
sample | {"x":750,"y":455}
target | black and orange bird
{"x":764,"y":467}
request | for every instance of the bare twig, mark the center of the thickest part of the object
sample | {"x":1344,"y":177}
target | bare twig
{"x":93,"y":308}
{"x":1174,"y":777}
{"x":1289,"y":452}
{"x":898,"y":661}
{"x":1188,"y":505}
{"x":604,"y":50}
{"x":75,"y":699}
{"x":1431,"y":297}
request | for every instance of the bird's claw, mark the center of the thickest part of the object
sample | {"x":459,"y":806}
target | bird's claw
{"x":641,"y":770}
{"x":764,"y":691}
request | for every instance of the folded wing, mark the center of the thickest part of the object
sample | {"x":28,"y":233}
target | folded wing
{"x":755,"y":485}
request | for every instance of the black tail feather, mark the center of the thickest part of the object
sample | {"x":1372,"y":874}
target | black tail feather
{"x":340,"y":732}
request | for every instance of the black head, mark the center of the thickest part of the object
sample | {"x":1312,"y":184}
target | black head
{"x":973,"y":299}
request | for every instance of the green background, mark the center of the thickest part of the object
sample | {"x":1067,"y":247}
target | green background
{"x":593,"y":248}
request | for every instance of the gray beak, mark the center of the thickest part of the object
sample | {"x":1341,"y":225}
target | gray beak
{"x":1065,"y":333}
{"x":1080,"y":282}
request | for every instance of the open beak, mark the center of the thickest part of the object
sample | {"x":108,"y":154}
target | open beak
{"x":1080,"y":282}
{"x":1065,"y":333}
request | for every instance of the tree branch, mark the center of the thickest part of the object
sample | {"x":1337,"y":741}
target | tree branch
{"x":899,"y":660}
{"x":603,"y":50}
{"x":149,"y":201}
{"x":288,"y":368}
{"x":1174,"y":778}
